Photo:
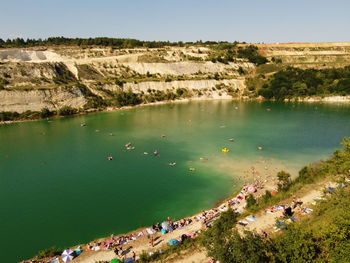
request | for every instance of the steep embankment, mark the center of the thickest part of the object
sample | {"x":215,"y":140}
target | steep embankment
{"x":37,"y":79}
{"x":35,"y":100}
{"x":309,"y":55}
{"x":32,"y":79}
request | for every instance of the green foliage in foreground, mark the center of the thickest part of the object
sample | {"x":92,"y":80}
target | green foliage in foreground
{"x":294,"y":82}
{"x":169,"y":252}
{"x":284,"y":180}
{"x":323,"y":238}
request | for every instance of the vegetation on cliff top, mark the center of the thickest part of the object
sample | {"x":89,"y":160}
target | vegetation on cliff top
{"x":99,"y":41}
{"x":225,"y":53}
{"x":294,"y":82}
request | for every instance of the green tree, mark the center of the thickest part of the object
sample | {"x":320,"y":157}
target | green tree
{"x":45,"y":113}
{"x":284,"y":180}
{"x":66,"y":111}
{"x":251,"y":201}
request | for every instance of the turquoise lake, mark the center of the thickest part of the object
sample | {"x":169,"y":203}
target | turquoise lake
{"x":57,"y":187}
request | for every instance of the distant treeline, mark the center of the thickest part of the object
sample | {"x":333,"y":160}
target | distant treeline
{"x":99,"y":41}
{"x":294,"y":82}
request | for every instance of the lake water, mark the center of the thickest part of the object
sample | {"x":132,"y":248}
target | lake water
{"x":58,"y":188}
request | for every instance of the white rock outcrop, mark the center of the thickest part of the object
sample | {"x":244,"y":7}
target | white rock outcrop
{"x":35,"y":100}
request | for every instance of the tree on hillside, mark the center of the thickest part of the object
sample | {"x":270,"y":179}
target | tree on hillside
{"x":284,"y":180}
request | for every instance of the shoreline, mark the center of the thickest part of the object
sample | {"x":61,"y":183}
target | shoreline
{"x":261,"y":184}
{"x":110,"y":109}
{"x":330,"y":99}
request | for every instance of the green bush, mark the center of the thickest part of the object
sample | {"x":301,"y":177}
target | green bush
{"x":294,"y":82}
{"x":225,"y":244}
{"x":251,"y":53}
{"x":66,"y":111}
{"x":251,"y":201}
{"x":9,"y":116}
{"x":127,"y":98}
{"x":45,"y":113}
{"x":284,"y":180}
{"x":180,"y":91}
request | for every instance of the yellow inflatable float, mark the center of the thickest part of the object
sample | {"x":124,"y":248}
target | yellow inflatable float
{"x":225,"y":150}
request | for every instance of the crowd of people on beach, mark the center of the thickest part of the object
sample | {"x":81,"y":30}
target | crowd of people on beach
{"x":121,"y":244}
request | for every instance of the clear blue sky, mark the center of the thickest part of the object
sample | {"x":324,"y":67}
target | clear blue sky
{"x":187,"y":20}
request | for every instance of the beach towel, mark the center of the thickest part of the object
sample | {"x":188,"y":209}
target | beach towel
{"x":243,"y":223}
{"x":251,"y":218}
{"x":319,"y":198}
{"x":223,"y":208}
{"x":151,"y":231}
{"x":308,"y":210}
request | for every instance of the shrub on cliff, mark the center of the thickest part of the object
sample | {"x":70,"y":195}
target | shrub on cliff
{"x":251,"y":53}
{"x":127,"y":98}
{"x":45,"y":113}
{"x":294,"y":82}
{"x":3,"y":83}
{"x":66,"y":111}
{"x":9,"y":116}
{"x":284,"y":181}
{"x":225,"y":244}
{"x":251,"y":201}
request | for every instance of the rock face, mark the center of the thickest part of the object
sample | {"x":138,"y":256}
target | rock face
{"x":35,"y":100}
{"x":185,"y":68}
{"x":28,"y":55}
{"x":187,"y":84}
{"x":32,"y":79}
